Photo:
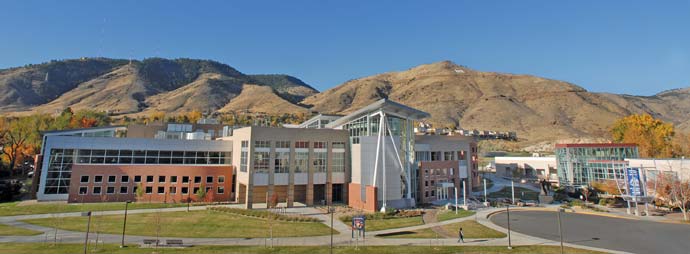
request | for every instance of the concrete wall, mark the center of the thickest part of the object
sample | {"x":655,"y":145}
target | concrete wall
{"x":534,"y":167}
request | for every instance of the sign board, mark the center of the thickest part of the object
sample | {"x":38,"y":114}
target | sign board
{"x":634,"y":182}
{"x":358,"y":223}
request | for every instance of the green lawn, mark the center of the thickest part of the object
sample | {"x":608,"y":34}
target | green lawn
{"x":190,"y":224}
{"x":470,"y":228}
{"x":449,"y":215}
{"x":30,"y":248}
{"x":506,"y":193}
{"x":6,"y":230}
{"x":381,"y":224}
{"x":11,"y":208}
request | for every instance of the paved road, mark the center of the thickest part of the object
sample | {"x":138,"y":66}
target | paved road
{"x":602,"y":232}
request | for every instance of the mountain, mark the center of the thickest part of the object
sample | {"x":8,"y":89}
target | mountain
{"x":126,"y":87}
{"x":539,"y":109}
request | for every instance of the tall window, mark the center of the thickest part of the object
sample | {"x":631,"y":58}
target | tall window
{"x":338,"y":162}
{"x":261,"y":162}
{"x":282,"y":144}
{"x":262,"y":144}
{"x":243,"y":156}
{"x":301,"y":162}
{"x":320,"y":159}
{"x":282,"y":162}
{"x":447,"y":156}
{"x":435,"y":156}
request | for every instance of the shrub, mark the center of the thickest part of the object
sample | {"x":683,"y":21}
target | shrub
{"x":263,"y":214}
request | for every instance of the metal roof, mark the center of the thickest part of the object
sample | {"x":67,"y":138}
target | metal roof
{"x":92,"y":129}
{"x":387,"y":106}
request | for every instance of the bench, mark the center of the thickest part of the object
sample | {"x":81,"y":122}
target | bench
{"x":151,"y":241}
{"x":173,"y":242}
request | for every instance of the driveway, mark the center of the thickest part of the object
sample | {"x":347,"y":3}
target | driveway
{"x":627,"y":235}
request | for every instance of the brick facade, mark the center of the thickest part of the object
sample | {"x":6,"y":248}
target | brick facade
{"x":156,"y":172}
{"x":355,"y":201}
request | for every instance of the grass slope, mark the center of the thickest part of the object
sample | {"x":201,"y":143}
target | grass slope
{"x":199,"y":224}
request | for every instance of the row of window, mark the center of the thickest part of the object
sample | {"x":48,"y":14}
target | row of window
{"x":97,"y":190}
{"x":298,"y":144}
{"x":439,"y":156}
{"x":149,"y":179}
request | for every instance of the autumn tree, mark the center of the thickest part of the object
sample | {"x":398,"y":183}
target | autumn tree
{"x":606,"y":186}
{"x":157,"y":116}
{"x":673,"y":191}
{"x":194,"y":116}
{"x":652,"y":136}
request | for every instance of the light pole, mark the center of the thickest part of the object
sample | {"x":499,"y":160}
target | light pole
{"x":512,"y":190}
{"x":485,"y":190}
{"x":124,"y":224}
{"x":560,"y":228}
{"x":332,"y":211}
{"x":510,"y":246}
{"x":456,"y":200}
{"x":88,"y":226}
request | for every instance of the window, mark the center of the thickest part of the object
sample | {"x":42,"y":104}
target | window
{"x":261,"y":162}
{"x":96,"y":190}
{"x":124,"y":179}
{"x":447,"y":156}
{"x":282,"y":144}
{"x":435,"y":156}
{"x":433,"y":193}
{"x":161,"y":190}
{"x":319,"y":145}
{"x":208,"y":189}
{"x":137,"y":179}
{"x":221,"y":190}
{"x":84,"y":179}
{"x":221,"y":179}
{"x":185,"y":179}
{"x":149,"y":179}
{"x":110,"y":190}
{"x":134,"y":189}
{"x":161,"y":179}
{"x":244,"y":156}
{"x":338,"y":162}
{"x":112,"y":179}
{"x":209,"y":179}
{"x":426,"y":183}
{"x":197,"y":179}
{"x":98,"y":179}
{"x":149,"y":189}
{"x":338,"y":144}
{"x":320,"y":159}
{"x":83,"y":190}
{"x":282,"y":162}
{"x":172,"y":190}
{"x":461,"y":155}
{"x":173,"y":179}
{"x":185,"y":190}
{"x":301,"y":144}
{"x":426,"y":194}
{"x":301,"y":162}
{"x":123,"y":190}
{"x":196,"y":190}
{"x":262,"y":144}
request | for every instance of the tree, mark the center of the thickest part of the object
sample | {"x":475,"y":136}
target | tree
{"x":16,"y":140}
{"x":140,"y":191}
{"x":194,"y":116}
{"x":606,"y":186}
{"x":157,"y":116}
{"x":673,"y":191}
{"x":201,"y":193}
{"x":652,"y":136}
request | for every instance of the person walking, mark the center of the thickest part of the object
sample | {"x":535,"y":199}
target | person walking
{"x":461,"y":236}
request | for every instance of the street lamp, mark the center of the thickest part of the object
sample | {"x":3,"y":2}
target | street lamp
{"x":560,"y":228}
{"x":88,"y":226}
{"x":510,"y":246}
{"x":124,"y":224}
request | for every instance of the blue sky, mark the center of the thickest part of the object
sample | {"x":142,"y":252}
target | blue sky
{"x":631,"y":47}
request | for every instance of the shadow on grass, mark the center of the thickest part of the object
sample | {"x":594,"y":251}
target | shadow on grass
{"x":396,"y":234}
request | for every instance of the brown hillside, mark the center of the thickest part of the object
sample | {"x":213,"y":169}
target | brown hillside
{"x":538,"y":109}
{"x":256,"y":98}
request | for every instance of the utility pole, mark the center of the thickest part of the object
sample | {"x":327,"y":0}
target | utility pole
{"x":124,"y":224}
{"x":510,"y":246}
{"x":512,"y":189}
{"x":88,"y":226}
{"x":560,"y":228}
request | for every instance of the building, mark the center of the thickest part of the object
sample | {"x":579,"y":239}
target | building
{"x":581,"y":164}
{"x":527,"y":167}
{"x":442,"y":164}
{"x":370,"y":159}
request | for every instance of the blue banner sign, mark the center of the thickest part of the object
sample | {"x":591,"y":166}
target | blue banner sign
{"x":634,"y":182}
